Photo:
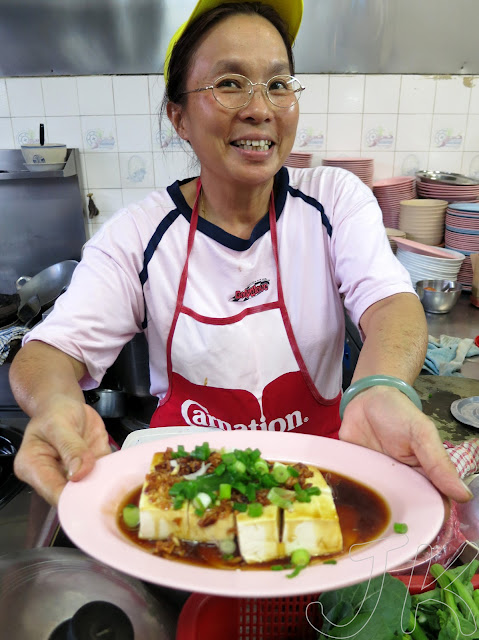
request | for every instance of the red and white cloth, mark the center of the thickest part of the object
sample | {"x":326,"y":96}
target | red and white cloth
{"x":465,"y":456}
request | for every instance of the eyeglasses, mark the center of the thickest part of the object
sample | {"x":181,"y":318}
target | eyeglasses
{"x":233,"y":90}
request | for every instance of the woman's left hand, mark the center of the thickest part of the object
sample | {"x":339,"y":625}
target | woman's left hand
{"x":384,"y":419}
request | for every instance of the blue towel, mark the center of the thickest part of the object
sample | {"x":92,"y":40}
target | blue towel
{"x":7,"y":336}
{"x":445,"y":356}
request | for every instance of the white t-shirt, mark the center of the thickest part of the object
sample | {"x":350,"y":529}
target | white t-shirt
{"x":333,"y":249}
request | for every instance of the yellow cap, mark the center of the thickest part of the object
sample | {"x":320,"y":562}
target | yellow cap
{"x":291,"y":11}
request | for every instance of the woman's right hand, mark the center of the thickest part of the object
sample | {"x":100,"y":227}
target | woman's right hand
{"x":60,"y":443}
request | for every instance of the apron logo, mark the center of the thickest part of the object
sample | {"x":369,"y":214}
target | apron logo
{"x":196,"y":415}
{"x":252,"y":290}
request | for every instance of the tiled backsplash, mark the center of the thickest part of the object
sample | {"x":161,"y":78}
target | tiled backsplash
{"x":404,"y":122}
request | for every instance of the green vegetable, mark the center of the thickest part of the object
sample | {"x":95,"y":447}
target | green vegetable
{"x":280,"y":472}
{"x":400,"y":527}
{"x":227,"y":547}
{"x":261,"y":466}
{"x":220,"y":469}
{"x":383,"y":609}
{"x":131,"y":516}
{"x":202,"y":501}
{"x":240,"y":506}
{"x":225,"y":492}
{"x":228,"y":458}
{"x":255,"y":509}
{"x":300,"y":557}
{"x":280,"y":497}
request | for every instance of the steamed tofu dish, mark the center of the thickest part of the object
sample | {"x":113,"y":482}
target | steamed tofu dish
{"x":248,"y":507}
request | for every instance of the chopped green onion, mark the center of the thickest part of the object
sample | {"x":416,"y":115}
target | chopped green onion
{"x":293,"y":472}
{"x":225,"y":492}
{"x":332,"y":561}
{"x":131,"y":516}
{"x":200,"y":512}
{"x":296,"y":571}
{"x":400,"y":527}
{"x":300,"y":557}
{"x":220,"y":469}
{"x":302,"y":496}
{"x":190,"y":489}
{"x":240,"y":486}
{"x":268,"y":481}
{"x":280,"y":497}
{"x":227,"y":547}
{"x":255,"y":509}
{"x":240,"y":506}
{"x":202,"y":501}
{"x":180,"y":452}
{"x":280,"y":472}
{"x":261,"y":466}
{"x":277,"y":567}
{"x":255,"y":455}
{"x":251,"y":492}
{"x":201,"y":452}
{"x":178,"y":502}
{"x":313,"y":491}
{"x":238,"y":467}
{"x":228,"y":458}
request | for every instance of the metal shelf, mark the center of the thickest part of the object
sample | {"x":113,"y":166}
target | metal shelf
{"x":11,"y":161}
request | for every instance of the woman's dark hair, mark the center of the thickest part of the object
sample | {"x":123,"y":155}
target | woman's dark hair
{"x":185,"y":49}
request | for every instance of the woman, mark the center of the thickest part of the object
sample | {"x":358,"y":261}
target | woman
{"x":237,"y":277}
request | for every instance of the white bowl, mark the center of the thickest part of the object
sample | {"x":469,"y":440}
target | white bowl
{"x":44,"y":154}
{"x":55,"y":166}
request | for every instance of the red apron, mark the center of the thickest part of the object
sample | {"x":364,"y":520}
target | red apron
{"x":258,"y":380}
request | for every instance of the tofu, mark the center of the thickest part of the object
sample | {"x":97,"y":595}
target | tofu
{"x":259,"y":538}
{"x":223,"y":529}
{"x":275,"y":534}
{"x":158,"y":519}
{"x":314,"y":525}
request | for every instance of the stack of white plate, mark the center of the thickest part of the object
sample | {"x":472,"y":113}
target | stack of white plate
{"x":428,"y":263}
{"x":362,"y":167}
{"x":389,"y":193}
{"x":423,"y":220}
{"x":299,"y":159}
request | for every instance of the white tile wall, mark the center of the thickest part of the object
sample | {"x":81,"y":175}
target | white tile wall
{"x":405,"y":123}
{"x":346,"y":94}
{"x":4,"y":106}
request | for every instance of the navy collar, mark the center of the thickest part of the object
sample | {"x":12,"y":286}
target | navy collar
{"x":281,"y":183}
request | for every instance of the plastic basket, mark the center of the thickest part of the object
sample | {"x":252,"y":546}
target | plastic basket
{"x":206,"y":617}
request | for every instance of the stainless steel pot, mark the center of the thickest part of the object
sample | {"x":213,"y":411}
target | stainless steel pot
{"x":109,"y":403}
{"x":43,"y":589}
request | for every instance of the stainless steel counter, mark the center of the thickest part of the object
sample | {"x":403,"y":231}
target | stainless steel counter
{"x":461,"y":322}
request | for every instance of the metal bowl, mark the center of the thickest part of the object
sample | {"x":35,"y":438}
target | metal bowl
{"x":438,"y":296}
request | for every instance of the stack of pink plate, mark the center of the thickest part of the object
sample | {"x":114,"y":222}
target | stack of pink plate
{"x":362,"y":167}
{"x":424,"y":262}
{"x":423,"y":220}
{"x":389,"y":193}
{"x":462,"y":234}
{"x":453,"y":187}
{"x":299,"y":159}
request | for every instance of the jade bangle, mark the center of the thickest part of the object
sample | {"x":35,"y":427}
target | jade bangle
{"x":371,"y":381}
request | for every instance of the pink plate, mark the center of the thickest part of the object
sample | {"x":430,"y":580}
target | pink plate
{"x":418,"y":247}
{"x":88,"y":509}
